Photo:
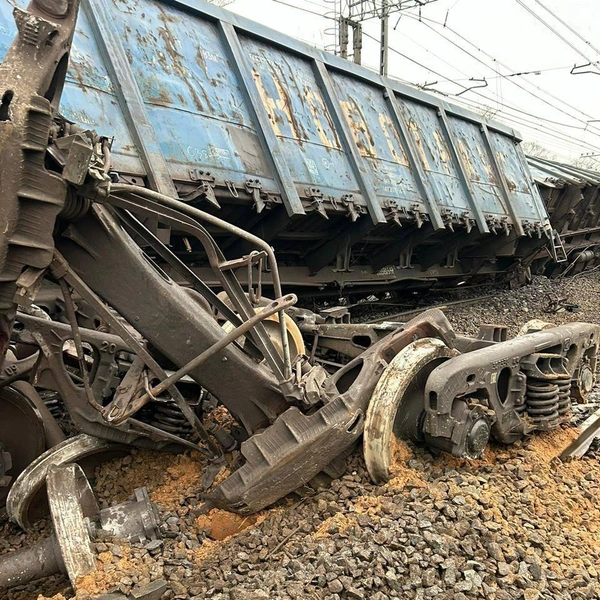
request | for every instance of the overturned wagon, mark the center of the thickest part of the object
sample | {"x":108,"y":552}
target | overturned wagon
{"x":91,"y":321}
{"x":572,"y":199}
{"x":355,"y":180}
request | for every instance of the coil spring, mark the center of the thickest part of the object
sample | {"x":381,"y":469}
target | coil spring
{"x":168,"y":417}
{"x":75,"y":207}
{"x":564,"y":395}
{"x":521,"y":408}
{"x":542,"y":400}
{"x":53,"y":403}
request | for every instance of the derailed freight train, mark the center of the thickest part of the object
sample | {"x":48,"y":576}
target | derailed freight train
{"x":356,"y":181}
{"x":183,"y":132}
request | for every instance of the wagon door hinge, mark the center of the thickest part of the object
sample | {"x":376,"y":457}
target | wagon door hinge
{"x":447,"y":217}
{"x":354,"y":209}
{"x":418,"y":216}
{"x":506,"y":226}
{"x":393,"y":212}
{"x":527,"y":228}
{"x":466,"y":220}
{"x":254,"y":187}
{"x":315,"y":195}
{"x":493,"y":224}
{"x":206,"y":189}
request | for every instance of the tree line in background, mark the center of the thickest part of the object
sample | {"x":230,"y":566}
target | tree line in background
{"x":538,"y":151}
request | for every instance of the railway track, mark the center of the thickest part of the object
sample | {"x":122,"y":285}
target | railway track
{"x":407,"y":314}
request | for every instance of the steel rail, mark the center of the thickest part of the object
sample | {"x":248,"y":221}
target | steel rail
{"x":464,"y":302}
{"x":580,"y":445}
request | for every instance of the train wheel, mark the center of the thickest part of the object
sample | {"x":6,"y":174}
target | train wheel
{"x":27,"y":500}
{"x":397,"y":406}
{"x":22,"y":437}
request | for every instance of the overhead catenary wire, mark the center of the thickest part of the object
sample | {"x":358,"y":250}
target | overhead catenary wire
{"x":565,"y":24}
{"x":504,"y":109}
{"x":508,"y":106}
{"x":425,"y":21}
{"x":302,"y":9}
{"x":575,"y":142}
{"x":552,"y":29}
{"x":522,"y":73}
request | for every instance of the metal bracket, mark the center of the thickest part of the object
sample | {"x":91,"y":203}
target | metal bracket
{"x":447,"y":217}
{"x":206,"y":189}
{"x":393,"y":212}
{"x":315,"y":195}
{"x":465,"y":218}
{"x":420,"y":218}
{"x":254,"y":188}
{"x":354,"y":209}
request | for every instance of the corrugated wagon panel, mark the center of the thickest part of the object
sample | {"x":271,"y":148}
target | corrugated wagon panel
{"x":192,"y":96}
{"x":527,"y":199}
{"x":89,"y":98}
{"x":378,"y":141}
{"x":331,"y":163}
{"x":480,"y":170}
{"x":300,"y":118}
{"x":434,"y":155}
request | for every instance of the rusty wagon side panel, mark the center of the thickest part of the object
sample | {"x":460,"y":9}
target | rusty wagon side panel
{"x":354,"y":178}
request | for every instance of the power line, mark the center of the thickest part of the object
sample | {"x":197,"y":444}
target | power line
{"x":505,"y":106}
{"x":302,"y":9}
{"x":565,"y":24}
{"x":552,"y":136}
{"x":519,"y":120}
{"x":514,"y":108}
{"x":552,"y":29}
{"x":514,"y":82}
{"x":522,"y":73}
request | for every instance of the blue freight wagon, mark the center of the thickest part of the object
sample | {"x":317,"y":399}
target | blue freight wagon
{"x":358,"y":181}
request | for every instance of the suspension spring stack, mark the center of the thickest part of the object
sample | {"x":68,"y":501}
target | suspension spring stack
{"x":168,"y":417}
{"x":564,"y":393}
{"x":548,"y":391}
{"x":542,"y":400}
{"x":53,"y":403}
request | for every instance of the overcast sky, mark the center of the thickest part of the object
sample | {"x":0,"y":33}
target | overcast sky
{"x":501,"y":37}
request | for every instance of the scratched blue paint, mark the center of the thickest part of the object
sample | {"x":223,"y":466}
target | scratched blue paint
{"x":196,"y":107}
{"x":300,"y":119}
{"x":478,"y":166}
{"x":434,"y":155}
{"x":88,"y":99}
{"x":378,"y":141}
{"x":519,"y":180}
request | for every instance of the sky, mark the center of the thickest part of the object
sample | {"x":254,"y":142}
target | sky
{"x":448,"y":42}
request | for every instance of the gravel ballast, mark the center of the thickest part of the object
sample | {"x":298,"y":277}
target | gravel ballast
{"x":517,"y":523}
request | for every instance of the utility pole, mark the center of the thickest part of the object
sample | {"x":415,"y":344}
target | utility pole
{"x":350,"y":15}
{"x":384,"y":42}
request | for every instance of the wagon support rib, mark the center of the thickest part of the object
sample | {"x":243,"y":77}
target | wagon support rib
{"x":268,"y":139}
{"x":418,"y":172}
{"x":506,"y":196}
{"x":462,"y":171}
{"x":129,"y":95}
